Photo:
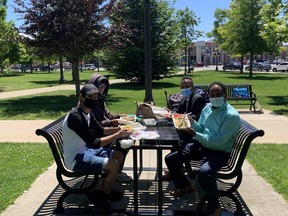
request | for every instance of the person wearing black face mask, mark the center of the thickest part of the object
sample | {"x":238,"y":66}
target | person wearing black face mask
{"x":85,"y":144}
{"x":100,"y":110}
{"x":107,"y":118}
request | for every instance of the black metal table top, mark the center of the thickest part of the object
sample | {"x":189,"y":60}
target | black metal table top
{"x":167,"y":133}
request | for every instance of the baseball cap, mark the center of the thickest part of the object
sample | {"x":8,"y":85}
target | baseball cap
{"x":89,"y":89}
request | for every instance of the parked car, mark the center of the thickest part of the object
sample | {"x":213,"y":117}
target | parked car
{"x":232,"y":66}
{"x":259,"y":66}
{"x":46,"y":68}
{"x":198,"y":64}
{"x":89,"y":67}
{"x":280,"y":67}
{"x":262,"y":61}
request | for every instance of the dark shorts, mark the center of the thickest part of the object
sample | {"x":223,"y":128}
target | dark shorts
{"x":92,"y":160}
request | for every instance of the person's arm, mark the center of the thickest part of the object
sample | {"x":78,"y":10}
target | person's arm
{"x":118,"y":135}
{"x":109,"y":114}
{"x":110,"y":130}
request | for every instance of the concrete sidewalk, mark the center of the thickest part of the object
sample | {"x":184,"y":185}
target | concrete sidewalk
{"x":257,"y":194}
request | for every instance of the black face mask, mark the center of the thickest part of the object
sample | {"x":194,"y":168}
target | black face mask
{"x":89,"y":103}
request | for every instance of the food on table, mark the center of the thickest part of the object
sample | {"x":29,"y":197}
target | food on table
{"x":133,"y":126}
{"x":127,"y":127}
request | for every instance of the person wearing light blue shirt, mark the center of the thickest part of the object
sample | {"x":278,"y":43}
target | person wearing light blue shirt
{"x":214,"y":134}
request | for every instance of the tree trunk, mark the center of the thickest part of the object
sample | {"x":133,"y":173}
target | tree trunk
{"x":250,"y":66}
{"x":242,"y":59}
{"x":62,"y":79}
{"x":75,"y":72}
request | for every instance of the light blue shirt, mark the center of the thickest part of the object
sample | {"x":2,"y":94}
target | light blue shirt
{"x":217,"y":129}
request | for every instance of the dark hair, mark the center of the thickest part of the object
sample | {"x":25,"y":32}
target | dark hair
{"x":224,"y":90}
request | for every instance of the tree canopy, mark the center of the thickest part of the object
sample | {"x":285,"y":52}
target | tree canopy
{"x":128,"y":59}
{"x":8,"y":38}
{"x":70,"y":28}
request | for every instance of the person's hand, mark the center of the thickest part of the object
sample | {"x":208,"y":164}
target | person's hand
{"x":191,"y":120}
{"x":124,"y":133}
{"x":114,"y":123}
{"x":189,"y":130}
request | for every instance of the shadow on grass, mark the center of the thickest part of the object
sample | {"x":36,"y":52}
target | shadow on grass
{"x":38,"y":106}
{"x":277,"y":101}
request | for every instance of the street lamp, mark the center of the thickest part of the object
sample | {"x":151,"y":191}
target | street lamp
{"x":216,"y":57}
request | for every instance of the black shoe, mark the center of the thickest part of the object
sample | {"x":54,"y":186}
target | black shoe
{"x":114,"y":195}
{"x":101,"y":201}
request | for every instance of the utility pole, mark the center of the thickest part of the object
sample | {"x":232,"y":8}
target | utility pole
{"x":147,"y":39}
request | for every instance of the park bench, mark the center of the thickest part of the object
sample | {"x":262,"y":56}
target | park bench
{"x":229,"y":178}
{"x":235,"y":92}
{"x":243,"y":94}
{"x":72,"y":182}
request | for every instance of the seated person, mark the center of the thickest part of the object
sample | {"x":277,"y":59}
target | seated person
{"x":190,"y":103}
{"x":100,"y":110}
{"x":186,"y":83}
{"x":214,"y":134}
{"x":107,"y":119}
{"x":85,"y":141}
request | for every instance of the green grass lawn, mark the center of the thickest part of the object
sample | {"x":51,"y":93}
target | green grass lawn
{"x":269,"y":88}
{"x":20,"y":163}
{"x":270,"y":162}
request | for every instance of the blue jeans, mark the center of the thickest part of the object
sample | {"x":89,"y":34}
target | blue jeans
{"x":213,"y":161}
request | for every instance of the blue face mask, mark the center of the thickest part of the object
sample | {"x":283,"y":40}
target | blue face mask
{"x":186,"y":92}
{"x":217,"y":102}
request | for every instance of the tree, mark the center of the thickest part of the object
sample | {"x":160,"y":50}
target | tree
{"x":8,"y":38}
{"x":241,"y":32}
{"x":274,"y":15}
{"x":187,"y":21}
{"x":70,"y":28}
{"x":128,"y":58}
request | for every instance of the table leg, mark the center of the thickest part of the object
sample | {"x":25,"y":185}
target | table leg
{"x":160,"y":195}
{"x":135,"y":180}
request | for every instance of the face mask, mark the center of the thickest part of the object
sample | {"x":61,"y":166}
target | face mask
{"x":217,"y":102}
{"x":186,"y":92}
{"x":89,"y":103}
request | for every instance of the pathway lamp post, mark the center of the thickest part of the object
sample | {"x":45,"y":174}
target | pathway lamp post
{"x":216,"y":54}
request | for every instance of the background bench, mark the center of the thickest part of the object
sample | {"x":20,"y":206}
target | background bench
{"x":251,"y":97}
{"x":229,"y":178}
{"x":72,"y":182}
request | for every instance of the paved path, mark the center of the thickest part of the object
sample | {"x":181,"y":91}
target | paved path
{"x":258,"y":194}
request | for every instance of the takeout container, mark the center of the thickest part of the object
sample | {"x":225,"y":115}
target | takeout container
{"x":180,"y":121}
{"x":130,"y":118}
{"x":133,"y":126}
{"x":126,"y":143}
{"x":150,"y":122}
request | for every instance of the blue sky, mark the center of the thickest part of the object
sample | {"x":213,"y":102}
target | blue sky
{"x":204,"y":9}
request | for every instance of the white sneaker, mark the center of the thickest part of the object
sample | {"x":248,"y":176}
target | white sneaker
{"x":123,"y":177}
